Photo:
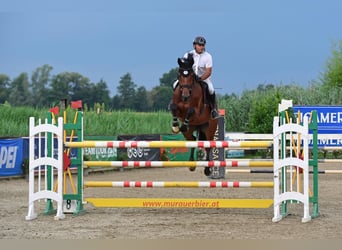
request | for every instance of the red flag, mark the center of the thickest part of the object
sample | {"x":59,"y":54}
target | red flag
{"x":76,"y":104}
{"x":54,"y":110}
{"x":66,"y":161}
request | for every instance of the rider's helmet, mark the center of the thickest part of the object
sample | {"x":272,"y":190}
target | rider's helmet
{"x":199,"y":40}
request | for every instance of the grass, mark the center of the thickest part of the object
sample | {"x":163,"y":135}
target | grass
{"x":14,"y":121}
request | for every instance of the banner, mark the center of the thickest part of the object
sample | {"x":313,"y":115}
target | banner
{"x":11,"y":157}
{"x":100,"y":154}
{"x":329,"y":122}
{"x":329,"y":118}
{"x":175,"y":154}
{"x":217,"y":154}
{"x":139,"y":154}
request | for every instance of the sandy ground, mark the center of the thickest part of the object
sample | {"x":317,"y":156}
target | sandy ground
{"x":165,"y":223}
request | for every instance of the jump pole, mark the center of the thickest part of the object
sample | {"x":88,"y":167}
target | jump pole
{"x":137,"y":164}
{"x":179,"y":203}
{"x":179,"y":184}
{"x":171,"y":144}
{"x":269,"y":171}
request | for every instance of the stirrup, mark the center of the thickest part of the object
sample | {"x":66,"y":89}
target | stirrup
{"x":214,"y":114}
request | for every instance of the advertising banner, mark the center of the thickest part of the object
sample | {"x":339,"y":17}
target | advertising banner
{"x":11,"y":157}
{"x":100,"y":154}
{"x":175,"y":154}
{"x":329,"y":121}
{"x":139,"y":154}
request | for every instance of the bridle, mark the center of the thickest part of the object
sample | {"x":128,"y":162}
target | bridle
{"x":185,"y":72}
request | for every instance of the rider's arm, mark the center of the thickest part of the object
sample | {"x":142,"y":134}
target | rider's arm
{"x":206,"y":74}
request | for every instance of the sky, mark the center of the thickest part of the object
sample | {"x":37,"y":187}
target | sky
{"x":252,"y":41}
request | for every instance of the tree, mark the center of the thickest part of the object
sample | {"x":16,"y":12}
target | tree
{"x":60,"y":87}
{"x":161,"y":97}
{"x":234,"y":118}
{"x":116,"y":102}
{"x":332,"y":77}
{"x":141,"y":100}
{"x":126,"y":92}
{"x":4,"y":87}
{"x":169,"y":78}
{"x":71,"y":86}
{"x":80,"y":87}
{"x":264,"y":108}
{"x":246,"y":103}
{"x":40,"y":81}
{"x":19,"y":91}
{"x":99,"y":94}
{"x":162,"y":94}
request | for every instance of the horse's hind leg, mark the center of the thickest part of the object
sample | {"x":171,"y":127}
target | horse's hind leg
{"x":207,"y":170}
{"x":210,"y":135}
{"x":192,"y":152}
{"x":190,"y":137}
{"x":203,"y":137}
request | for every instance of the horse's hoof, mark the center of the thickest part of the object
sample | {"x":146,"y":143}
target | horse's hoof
{"x":175,"y":130}
{"x":192,"y":169}
{"x":207,"y":171}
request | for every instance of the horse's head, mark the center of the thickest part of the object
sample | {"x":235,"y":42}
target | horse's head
{"x":186,"y":76}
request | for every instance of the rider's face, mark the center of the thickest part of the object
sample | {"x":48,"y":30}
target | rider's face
{"x":199,"y":48}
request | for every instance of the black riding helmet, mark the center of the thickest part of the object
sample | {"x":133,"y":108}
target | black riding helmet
{"x":199,"y":40}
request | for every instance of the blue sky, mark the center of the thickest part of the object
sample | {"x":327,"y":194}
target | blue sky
{"x":252,"y":42}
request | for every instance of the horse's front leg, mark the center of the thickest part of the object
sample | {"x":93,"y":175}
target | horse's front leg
{"x":175,"y":124}
{"x":185,"y":125}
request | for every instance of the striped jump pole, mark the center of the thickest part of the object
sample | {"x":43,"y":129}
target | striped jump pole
{"x":269,"y":171}
{"x":179,"y":184}
{"x":170,"y":144}
{"x":329,"y":160}
{"x":330,"y":148}
{"x":137,"y":164}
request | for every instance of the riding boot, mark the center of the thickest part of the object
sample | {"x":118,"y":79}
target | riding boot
{"x":212,"y":101}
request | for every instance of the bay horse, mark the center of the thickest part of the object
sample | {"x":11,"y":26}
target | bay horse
{"x":189,"y":106}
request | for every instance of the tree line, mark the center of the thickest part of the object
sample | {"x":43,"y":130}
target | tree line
{"x":252,"y":111}
{"x":43,"y":89}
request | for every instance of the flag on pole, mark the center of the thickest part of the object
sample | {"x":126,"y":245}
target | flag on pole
{"x":76,"y":104}
{"x":54,"y":110}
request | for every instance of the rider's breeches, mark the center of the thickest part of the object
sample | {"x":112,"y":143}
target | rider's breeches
{"x":210,"y":87}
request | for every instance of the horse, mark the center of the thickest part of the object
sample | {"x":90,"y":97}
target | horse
{"x":189,"y":106}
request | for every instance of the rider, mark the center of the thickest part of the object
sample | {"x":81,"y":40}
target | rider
{"x":203,"y":63}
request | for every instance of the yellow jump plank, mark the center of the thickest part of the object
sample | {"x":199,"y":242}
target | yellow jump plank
{"x":180,"y":203}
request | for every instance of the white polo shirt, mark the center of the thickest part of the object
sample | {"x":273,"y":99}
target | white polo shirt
{"x":201,"y":62}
